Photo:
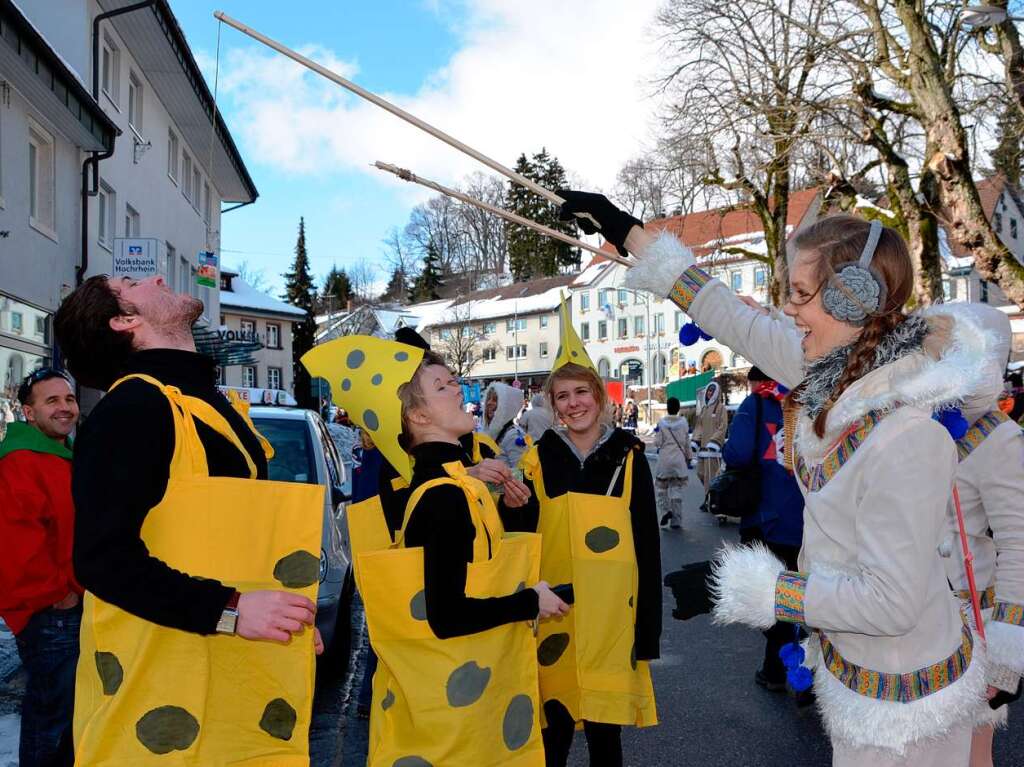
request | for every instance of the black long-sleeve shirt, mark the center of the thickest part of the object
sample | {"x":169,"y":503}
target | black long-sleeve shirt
{"x":564,"y":473}
{"x":442,"y":525}
{"x":120,"y":472}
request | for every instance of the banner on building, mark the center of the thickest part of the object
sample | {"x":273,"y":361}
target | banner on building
{"x":136,"y":257}
{"x":206,"y":274}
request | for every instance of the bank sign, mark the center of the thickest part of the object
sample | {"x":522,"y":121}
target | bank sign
{"x":136,"y":257}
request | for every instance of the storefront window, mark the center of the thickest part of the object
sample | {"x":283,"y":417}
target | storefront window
{"x":24,"y":347}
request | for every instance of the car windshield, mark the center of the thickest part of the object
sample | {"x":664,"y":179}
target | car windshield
{"x":293,"y":449}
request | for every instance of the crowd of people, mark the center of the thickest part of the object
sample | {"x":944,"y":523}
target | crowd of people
{"x":162,"y":589}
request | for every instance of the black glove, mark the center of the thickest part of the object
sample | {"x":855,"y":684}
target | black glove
{"x":691,"y":589}
{"x":612,"y":223}
{"x":1003,"y":698}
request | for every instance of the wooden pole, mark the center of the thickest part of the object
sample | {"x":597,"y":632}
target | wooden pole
{"x":515,"y":218}
{"x":397,"y":111}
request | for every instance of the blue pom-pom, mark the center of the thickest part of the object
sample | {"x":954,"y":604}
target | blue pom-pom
{"x":520,"y":442}
{"x":704,"y":336}
{"x":689,"y":334}
{"x":953,"y":420}
{"x":792,"y":655}
{"x":800,"y":678}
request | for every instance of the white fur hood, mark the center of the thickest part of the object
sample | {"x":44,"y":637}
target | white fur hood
{"x":952,"y":364}
{"x":510,"y":402}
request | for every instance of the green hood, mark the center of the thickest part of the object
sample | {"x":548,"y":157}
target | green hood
{"x":21,"y":436}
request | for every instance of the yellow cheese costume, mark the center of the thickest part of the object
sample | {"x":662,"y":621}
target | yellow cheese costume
{"x":588,"y":658}
{"x":150,"y":695}
{"x":468,"y":701}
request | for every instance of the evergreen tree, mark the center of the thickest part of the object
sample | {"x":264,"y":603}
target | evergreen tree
{"x":397,"y":289}
{"x":424,"y":288}
{"x":337,"y":290}
{"x":300,"y":291}
{"x":1008,"y":156}
{"x":530,"y":253}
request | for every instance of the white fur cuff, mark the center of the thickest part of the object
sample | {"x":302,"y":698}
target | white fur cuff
{"x":1005,"y":645}
{"x":743,"y":585}
{"x":659,"y":265}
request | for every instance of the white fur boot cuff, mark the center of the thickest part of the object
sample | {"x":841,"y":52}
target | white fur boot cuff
{"x":660,"y":265}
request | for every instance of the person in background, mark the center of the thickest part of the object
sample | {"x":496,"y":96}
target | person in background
{"x":709,"y":433}
{"x":502,"y":404}
{"x":538,"y":419}
{"x":630,"y":416}
{"x":778,"y":520}
{"x":345,"y":437}
{"x":40,"y":600}
{"x":672,"y":440}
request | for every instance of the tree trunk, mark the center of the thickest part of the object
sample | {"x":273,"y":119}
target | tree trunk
{"x":950,"y":163}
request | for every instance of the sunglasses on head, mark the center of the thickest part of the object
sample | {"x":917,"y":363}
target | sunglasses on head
{"x":36,"y":376}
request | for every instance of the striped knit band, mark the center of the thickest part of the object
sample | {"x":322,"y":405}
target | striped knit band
{"x":979,"y":430}
{"x":899,"y":688}
{"x":1008,"y":612}
{"x":790,"y":589}
{"x":986,"y":597}
{"x":688,"y":286}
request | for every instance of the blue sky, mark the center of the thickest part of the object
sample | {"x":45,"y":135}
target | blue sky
{"x":503,"y":76}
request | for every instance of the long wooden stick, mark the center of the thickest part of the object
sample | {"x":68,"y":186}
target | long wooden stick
{"x":515,"y":218}
{"x":397,"y":111}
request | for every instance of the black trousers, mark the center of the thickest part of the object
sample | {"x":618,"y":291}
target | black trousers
{"x":604,"y":741}
{"x":781,"y":633}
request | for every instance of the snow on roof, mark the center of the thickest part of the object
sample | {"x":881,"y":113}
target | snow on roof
{"x":946,"y":253}
{"x":592,"y":273}
{"x":243,"y":296}
{"x":53,"y":49}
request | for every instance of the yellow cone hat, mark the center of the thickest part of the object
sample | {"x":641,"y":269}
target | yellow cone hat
{"x":572,"y":349}
{"x":364,"y":373}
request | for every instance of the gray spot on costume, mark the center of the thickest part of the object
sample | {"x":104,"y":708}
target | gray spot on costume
{"x":355,"y":359}
{"x":551,"y":649}
{"x":297,"y":570}
{"x":166,"y":729}
{"x":418,"y":606}
{"x":412,"y":761}
{"x":371,"y":420}
{"x":110,"y":671}
{"x":388,"y":702}
{"x":466,"y":684}
{"x":518,"y":722}
{"x":278,"y":719}
{"x":602,"y":539}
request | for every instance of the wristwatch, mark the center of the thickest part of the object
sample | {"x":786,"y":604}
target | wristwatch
{"x":229,"y":616}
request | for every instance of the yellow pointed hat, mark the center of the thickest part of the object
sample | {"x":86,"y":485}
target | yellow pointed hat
{"x":572,"y":348}
{"x":364,"y":373}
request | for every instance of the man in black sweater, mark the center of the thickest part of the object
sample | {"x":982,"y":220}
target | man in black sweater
{"x":109,"y":328}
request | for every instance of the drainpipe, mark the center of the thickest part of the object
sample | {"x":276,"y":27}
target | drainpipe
{"x":96,"y":157}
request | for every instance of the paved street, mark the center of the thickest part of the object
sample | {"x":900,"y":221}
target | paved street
{"x":712,"y":714}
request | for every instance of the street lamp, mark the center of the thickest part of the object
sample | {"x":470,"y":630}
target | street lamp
{"x":986,"y":16}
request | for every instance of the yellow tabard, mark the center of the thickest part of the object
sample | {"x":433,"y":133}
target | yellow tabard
{"x":150,"y":695}
{"x":588,"y":658}
{"x":462,"y":702}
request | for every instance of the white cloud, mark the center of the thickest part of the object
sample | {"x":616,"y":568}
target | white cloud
{"x":571,"y":76}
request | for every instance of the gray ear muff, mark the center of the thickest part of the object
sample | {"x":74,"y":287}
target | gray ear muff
{"x":857,"y":291}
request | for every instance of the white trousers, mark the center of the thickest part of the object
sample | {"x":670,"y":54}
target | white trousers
{"x":951,"y":751}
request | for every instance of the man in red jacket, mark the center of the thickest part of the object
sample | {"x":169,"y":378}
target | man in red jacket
{"x":40,"y":600}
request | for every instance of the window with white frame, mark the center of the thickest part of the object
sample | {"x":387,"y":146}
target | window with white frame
{"x":249,"y":376}
{"x":106,"y":205}
{"x":490,"y":354}
{"x":760,"y":277}
{"x":585,"y":301}
{"x":602,"y":330}
{"x":135,"y":101}
{"x":110,"y":68}
{"x":543,"y":320}
{"x":42,"y":191}
{"x":184,"y":272}
{"x":197,"y":186}
{"x":171,"y":259}
{"x":207,"y":204}
{"x":248,"y":329}
{"x":638,"y":325}
{"x":516,"y":351}
{"x":997,"y":222}
{"x":603,"y":297}
{"x":273,"y":335}
{"x":518,"y":323}
{"x":543,"y":348}
{"x":680,"y":321}
{"x":659,"y":324}
{"x":186,"y":176}
{"x":488,"y":328}
{"x":623,"y":327}
{"x":172,"y":155}
{"x":132,"y":222}
{"x":623,"y":297}
{"x":17,"y":324}
{"x":585,"y":331}
{"x":273,"y":378}
{"x":736,"y":281}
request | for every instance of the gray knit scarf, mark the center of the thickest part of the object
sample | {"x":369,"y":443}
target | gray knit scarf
{"x":823,"y":374}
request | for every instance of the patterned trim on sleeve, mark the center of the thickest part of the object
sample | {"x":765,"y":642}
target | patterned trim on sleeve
{"x":1007,"y":612}
{"x":790,"y":589}
{"x":688,"y":286}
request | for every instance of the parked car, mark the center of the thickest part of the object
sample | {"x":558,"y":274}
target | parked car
{"x":304,"y":452}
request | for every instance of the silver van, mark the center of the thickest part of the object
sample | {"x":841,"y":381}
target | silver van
{"x":304,"y":452}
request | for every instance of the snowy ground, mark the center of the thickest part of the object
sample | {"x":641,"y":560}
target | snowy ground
{"x":11,"y":685}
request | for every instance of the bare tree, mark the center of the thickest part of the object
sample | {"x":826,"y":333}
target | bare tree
{"x":254,"y":278}
{"x":362,"y":276}
{"x":1004,"y":40}
{"x":745,"y":80}
{"x":462,"y":343}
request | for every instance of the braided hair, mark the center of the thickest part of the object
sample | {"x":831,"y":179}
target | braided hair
{"x":839,"y":239}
